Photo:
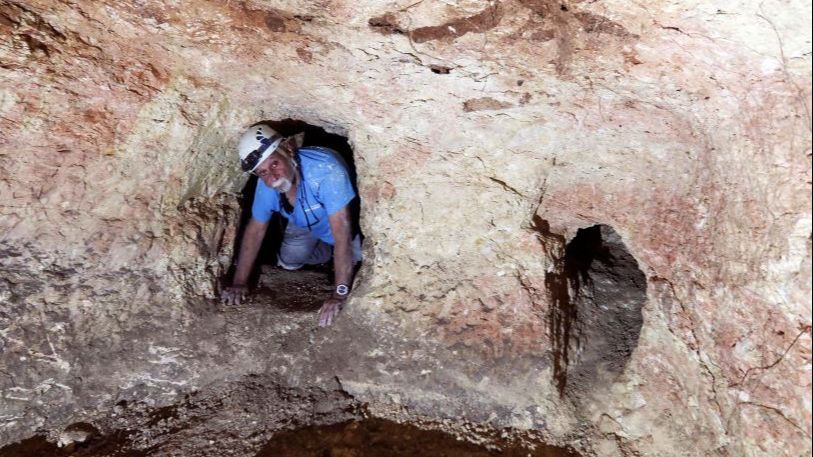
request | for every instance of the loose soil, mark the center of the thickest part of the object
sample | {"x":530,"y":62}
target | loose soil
{"x":382,"y":438}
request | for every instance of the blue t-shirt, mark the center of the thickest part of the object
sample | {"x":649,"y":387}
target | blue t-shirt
{"x":325,"y":189}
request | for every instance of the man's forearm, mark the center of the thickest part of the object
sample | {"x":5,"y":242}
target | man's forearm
{"x":342,"y":249}
{"x":249,"y":247}
{"x":343,"y":262}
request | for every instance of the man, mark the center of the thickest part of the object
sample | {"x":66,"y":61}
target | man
{"x":311,"y":188}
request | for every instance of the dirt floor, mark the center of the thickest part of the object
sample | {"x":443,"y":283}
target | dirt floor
{"x":295,"y":297}
{"x":365,"y":438}
{"x":116,"y":445}
{"x":302,"y":290}
{"x":381,"y":438}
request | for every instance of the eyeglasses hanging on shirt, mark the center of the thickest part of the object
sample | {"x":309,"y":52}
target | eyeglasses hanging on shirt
{"x":289,"y":208}
{"x":285,"y":204}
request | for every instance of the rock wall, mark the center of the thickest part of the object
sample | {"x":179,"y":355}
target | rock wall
{"x":485,"y":134}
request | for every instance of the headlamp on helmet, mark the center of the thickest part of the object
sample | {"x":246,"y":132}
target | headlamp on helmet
{"x":256,"y":144}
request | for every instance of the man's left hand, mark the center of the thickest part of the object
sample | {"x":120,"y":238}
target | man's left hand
{"x":330,"y":309}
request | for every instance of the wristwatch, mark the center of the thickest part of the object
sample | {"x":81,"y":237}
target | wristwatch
{"x":342,"y":290}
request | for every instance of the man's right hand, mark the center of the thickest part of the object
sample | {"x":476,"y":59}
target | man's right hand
{"x":233,"y":295}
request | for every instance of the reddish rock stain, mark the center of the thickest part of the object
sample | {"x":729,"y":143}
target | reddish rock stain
{"x":386,"y":24}
{"x":404,"y":161}
{"x":275,"y":22}
{"x":305,"y":55}
{"x":478,"y":23}
{"x":485,"y":103}
{"x":594,"y":23}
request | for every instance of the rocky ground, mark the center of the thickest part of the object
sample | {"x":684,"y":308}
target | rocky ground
{"x":258,"y":415}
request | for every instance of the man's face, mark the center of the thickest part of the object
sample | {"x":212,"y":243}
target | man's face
{"x":276,"y":171}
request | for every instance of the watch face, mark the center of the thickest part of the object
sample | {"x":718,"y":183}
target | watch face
{"x":342,"y":289}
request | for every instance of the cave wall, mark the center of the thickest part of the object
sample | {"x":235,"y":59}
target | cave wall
{"x":485,"y":136}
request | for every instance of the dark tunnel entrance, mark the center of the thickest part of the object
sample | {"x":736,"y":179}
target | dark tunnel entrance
{"x":312,"y":280}
{"x":597,"y":294}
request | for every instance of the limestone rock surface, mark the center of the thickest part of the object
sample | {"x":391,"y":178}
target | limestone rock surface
{"x":487,"y":136}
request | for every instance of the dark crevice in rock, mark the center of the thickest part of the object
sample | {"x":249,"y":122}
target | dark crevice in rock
{"x":562,"y":318}
{"x":597,"y":293}
{"x":440,"y":69}
{"x":562,"y":312}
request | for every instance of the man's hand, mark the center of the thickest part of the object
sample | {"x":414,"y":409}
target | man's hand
{"x":330,"y":309}
{"x":233,"y":295}
{"x":249,"y":247}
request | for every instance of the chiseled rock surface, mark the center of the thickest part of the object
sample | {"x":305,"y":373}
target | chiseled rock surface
{"x":485,"y":136}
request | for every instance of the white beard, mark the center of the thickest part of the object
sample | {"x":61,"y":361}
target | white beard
{"x":282,"y":185}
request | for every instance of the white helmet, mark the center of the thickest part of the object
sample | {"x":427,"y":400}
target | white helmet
{"x":256,"y":144}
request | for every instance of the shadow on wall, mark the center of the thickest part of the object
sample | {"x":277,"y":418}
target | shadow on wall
{"x":597,"y":293}
{"x":314,"y":136}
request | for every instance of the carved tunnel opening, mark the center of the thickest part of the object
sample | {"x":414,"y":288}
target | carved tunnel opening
{"x":597,"y":294}
{"x":311,"y":282}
